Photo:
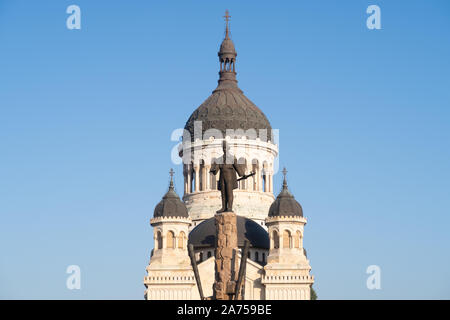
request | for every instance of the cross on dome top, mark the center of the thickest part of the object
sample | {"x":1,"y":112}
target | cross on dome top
{"x":227,"y":20}
{"x":171,"y":173}
{"x":227,"y":57}
{"x":284,"y":179}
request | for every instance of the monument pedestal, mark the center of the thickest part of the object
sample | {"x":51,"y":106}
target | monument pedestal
{"x":226,"y":261}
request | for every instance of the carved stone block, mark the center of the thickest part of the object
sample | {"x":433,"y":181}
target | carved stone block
{"x":226,"y":264}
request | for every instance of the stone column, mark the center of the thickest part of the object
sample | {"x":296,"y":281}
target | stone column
{"x":208,"y":177}
{"x":226,"y":262}
{"x":258,"y":179}
{"x":205,"y":176}
{"x":255,"y":181}
{"x":189,"y":174}
{"x":249,"y":184}
{"x":185,"y":179}
{"x":271,"y":182}
{"x":197,"y":177}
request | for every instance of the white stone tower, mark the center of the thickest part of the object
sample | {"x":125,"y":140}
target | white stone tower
{"x":287,"y":272}
{"x":170,"y":274}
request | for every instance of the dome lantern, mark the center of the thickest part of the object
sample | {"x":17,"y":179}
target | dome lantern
{"x":227,"y":53}
{"x":285,"y":204}
{"x":227,"y":58}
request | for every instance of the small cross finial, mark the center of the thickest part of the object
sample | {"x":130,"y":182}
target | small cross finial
{"x":284,"y":179}
{"x":171,"y":172}
{"x":284,"y":172}
{"x":227,"y":16}
{"x":227,"y":19}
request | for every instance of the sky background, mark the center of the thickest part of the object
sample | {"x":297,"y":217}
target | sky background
{"x":86,"y":118}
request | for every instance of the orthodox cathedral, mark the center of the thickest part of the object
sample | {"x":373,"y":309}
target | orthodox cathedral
{"x":271,"y":228}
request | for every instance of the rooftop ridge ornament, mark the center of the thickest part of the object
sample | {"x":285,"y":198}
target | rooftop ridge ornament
{"x":227,"y":20}
{"x":171,"y":173}
{"x":284,"y":178}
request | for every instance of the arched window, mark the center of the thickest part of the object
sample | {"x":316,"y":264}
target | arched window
{"x":263,"y":257}
{"x":209,"y":254}
{"x":256,"y":256}
{"x":181,"y":240}
{"x":286,"y":239}
{"x":200,"y":256}
{"x":275,"y":239}
{"x":170,"y":240}
{"x":159,"y":242}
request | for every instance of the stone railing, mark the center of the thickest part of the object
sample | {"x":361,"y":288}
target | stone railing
{"x":169,"y":280}
{"x":171,"y":219}
{"x":287,"y":219}
{"x":287,"y":279}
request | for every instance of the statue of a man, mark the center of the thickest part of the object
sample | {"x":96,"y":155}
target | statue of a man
{"x":227,"y":180}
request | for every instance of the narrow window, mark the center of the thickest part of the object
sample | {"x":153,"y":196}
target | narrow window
{"x":286,"y":239}
{"x":170,"y":240}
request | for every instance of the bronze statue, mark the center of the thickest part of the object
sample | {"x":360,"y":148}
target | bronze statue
{"x":227,"y":180}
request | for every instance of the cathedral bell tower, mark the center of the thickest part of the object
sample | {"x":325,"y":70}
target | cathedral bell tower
{"x":287,"y":264}
{"x":170,"y":274}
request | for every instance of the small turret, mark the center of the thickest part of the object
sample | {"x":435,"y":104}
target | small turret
{"x":170,"y":224}
{"x":285,"y":203}
{"x":287,"y":259}
{"x":171,"y":204}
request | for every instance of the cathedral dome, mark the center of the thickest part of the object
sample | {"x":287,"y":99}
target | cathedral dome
{"x":285,"y":204}
{"x":171,"y":205}
{"x":228,"y":107}
{"x":204,"y":235}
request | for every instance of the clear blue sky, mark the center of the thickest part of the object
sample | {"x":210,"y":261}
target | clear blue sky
{"x":86,"y":117}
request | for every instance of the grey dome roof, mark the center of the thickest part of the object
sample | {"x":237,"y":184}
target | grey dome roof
{"x":171,"y":205}
{"x":204,"y":235}
{"x":228,"y":107}
{"x":285,"y":204}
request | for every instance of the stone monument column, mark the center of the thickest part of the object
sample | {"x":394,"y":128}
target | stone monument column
{"x":226,"y":260}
